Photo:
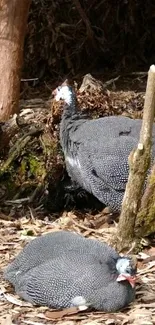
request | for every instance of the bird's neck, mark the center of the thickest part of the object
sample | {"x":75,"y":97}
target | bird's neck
{"x":70,"y":114}
{"x":70,"y":107}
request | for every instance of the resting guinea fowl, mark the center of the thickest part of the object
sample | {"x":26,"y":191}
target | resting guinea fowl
{"x":96,"y":151}
{"x":63,"y":269}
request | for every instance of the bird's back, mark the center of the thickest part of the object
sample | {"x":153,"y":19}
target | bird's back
{"x":97,"y":156}
{"x":109,"y":127}
{"x":49,"y":247}
{"x":58,"y":268}
{"x":56,"y":283}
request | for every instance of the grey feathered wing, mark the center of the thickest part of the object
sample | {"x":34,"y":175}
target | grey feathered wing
{"x":50,"y":246}
{"x":111,"y":166}
{"x":105,"y":175}
{"x":57,"y":282}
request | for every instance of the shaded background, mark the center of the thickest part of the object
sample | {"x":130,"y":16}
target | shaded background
{"x":68,"y":37}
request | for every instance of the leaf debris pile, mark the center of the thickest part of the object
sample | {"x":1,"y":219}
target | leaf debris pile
{"x":32,"y":170}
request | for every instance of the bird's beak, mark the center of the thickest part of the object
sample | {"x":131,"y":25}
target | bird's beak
{"x":54,"y":92}
{"x":56,"y":95}
{"x":131,"y":279}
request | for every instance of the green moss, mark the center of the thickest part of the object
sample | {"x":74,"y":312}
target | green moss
{"x":146,"y":218}
{"x":28,"y":232}
{"x":36,"y":167}
{"x":23,"y":173}
{"x":152,"y":180}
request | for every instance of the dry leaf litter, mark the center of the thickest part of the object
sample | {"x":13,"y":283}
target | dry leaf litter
{"x":13,"y":237}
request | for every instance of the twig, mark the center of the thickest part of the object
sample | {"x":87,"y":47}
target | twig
{"x":31,"y":79}
{"x":37,"y":191}
{"x":18,"y":201}
{"x":137,"y":73}
{"x":109,"y":82}
{"x":86,"y":228}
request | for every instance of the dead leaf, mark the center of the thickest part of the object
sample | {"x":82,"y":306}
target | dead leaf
{"x":110,"y":321}
{"x":29,"y":322}
{"x":4,"y":247}
{"x":61,"y":313}
{"x":7,"y":320}
{"x":69,"y":322}
{"x":16,"y":301}
{"x":151,"y":251}
{"x":143,"y":256}
{"x":149,"y":259}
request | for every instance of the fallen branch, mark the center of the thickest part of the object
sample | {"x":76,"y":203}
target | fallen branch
{"x":139,"y":161}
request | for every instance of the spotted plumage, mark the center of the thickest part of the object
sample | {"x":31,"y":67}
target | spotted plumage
{"x":64,"y":269}
{"x":96,"y":151}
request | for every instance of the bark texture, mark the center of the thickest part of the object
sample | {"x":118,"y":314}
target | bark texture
{"x":139,"y":161}
{"x":13,"y":18}
{"x":145,"y":221}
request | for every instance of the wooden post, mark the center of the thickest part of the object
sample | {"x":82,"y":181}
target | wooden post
{"x":13,"y":19}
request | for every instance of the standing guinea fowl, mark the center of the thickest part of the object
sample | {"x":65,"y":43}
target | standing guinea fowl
{"x":96,"y":151}
{"x":63,"y":269}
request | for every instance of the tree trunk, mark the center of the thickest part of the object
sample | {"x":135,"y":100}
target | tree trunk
{"x":145,"y":221}
{"x":13,"y":18}
{"x":139,"y":162}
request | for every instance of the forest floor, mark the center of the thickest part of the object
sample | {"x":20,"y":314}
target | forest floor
{"x":27,"y":222}
{"x":14,"y":235}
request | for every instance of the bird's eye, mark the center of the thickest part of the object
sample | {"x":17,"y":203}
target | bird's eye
{"x":59,"y":88}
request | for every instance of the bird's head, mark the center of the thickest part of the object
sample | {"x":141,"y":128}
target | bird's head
{"x":65,"y":93}
{"x":126,"y":270}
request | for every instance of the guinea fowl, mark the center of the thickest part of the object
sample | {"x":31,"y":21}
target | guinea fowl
{"x":63,"y":269}
{"x":96,"y":151}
